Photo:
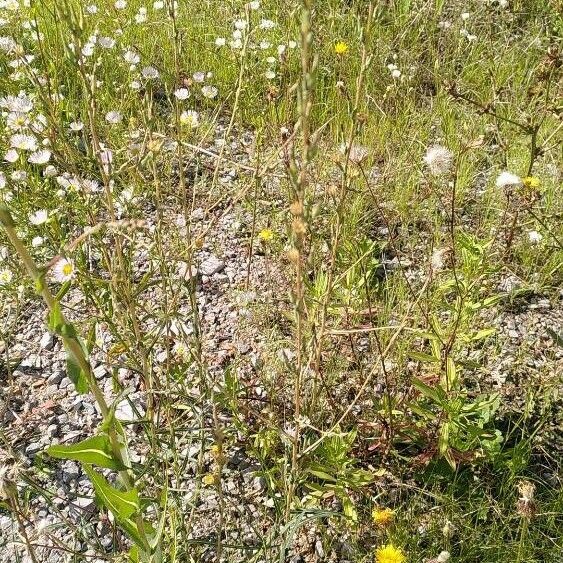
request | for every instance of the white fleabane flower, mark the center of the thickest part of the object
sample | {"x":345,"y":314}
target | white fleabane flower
{"x":39,"y":217}
{"x":220,"y":41}
{"x":209,"y":91}
{"x":141,"y":17}
{"x":190,"y":118}
{"x":16,"y":121}
{"x":92,"y":9}
{"x":88,"y":50}
{"x":182,"y":94}
{"x":63,"y":270}
{"x":7,"y":44}
{"x":106,"y":42}
{"x":534,"y":237}
{"x":113,"y":117}
{"x":150,"y":72}
{"x":6,"y":277}
{"x":41,"y":156}
{"x":438,"y":159}
{"x":18,"y":176}
{"x":11,"y":156}
{"x":23,"y":142}
{"x":131,"y":57}
{"x":507,"y":179}
{"x":198,"y":76}
{"x":37,"y":241}
{"x":270,"y":74}
{"x":240,"y":24}
{"x":267,"y":24}
{"x":158,"y":5}
{"x":120,"y":4}
{"x":396,"y":73}
{"x":254,"y":5}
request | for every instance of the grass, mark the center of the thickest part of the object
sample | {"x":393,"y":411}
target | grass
{"x":377,"y":289}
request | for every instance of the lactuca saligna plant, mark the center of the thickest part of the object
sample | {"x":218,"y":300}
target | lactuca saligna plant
{"x":108,"y":447}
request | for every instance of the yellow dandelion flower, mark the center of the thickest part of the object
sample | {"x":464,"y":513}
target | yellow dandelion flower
{"x":531,"y":182}
{"x":340,"y":48}
{"x":208,"y":479}
{"x":389,"y":554}
{"x":266,"y":235}
{"x":382,"y":516}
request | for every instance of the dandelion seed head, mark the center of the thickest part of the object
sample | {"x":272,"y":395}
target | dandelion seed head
{"x":507,"y":180}
{"x":438,"y":159}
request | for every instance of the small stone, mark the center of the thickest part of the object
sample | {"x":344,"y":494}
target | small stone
{"x":47,"y":341}
{"x":33,"y":448}
{"x":211,"y":266}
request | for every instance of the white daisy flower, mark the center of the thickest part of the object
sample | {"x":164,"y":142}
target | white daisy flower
{"x":92,"y":9}
{"x":198,"y":76}
{"x":507,"y":179}
{"x":20,"y":104}
{"x":396,"y":73}
{"x":131,"y":57}
{"x":11,"y":156}
{"x":7,"y":44}
{"x":63,"y":270}
{"x":39,"y":217}
{"x":76,"y":126}
{"x":120,"y":4}
{"x":270,"y":74}
{"x":37,"y":241}
{"x":182,"y":94}
{"x":439,"y":159}
{"x":18,"y":176}
{"x":267,"y":24}
{"x":209,"y":91}
{"x":6,"y":277}
{"x":50,"y":171}
{"x":158,"y":5}
{"x":41,"y":156}
{"x":16,"y":121}
{"x":220,"y":41}
{"x":534,"y":237}
{"x":113,"y":117}
{"x":150,"y":72}
{"x":88,"y":50}
{"x":190,"y":118}
{"x":23,"y":142}
{"x":106,"y":42}
{"x":240,"y":24}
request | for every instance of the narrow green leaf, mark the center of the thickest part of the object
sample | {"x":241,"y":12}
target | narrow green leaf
{"x":95,"y":450}
{"x":434,"y":393}
{"x":76,"y":375}
{"x":422,"y":357}
{"x":122,"y":504}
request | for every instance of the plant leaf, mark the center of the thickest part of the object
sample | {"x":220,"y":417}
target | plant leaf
{"x":95,"y":450}
{"x":122,"y":504}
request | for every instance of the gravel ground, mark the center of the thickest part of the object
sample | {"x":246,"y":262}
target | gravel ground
{"x":38,"y":405}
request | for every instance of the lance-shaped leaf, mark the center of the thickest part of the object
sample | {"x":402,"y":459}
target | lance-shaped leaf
{"x":76,"y":375}
{"x":122,"y":504}
{"x":96,"y":451}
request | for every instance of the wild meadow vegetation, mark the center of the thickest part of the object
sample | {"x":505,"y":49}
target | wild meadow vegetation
{"x":281,"y":281}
